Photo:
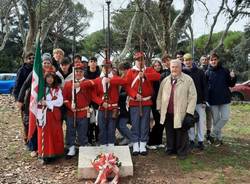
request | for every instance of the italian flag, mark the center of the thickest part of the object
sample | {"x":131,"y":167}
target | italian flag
{"x":37,"y":89}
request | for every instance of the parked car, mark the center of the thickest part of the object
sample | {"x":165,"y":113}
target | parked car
{"x":241,"y":92}
{"x":7,"y":82}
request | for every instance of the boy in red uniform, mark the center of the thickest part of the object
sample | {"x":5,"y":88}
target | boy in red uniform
{"x":79,"y":109}
{"x":107,"y":96}
{"x":140,"y":91}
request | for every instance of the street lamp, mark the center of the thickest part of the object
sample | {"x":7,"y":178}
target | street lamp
{"x":108,"y":37}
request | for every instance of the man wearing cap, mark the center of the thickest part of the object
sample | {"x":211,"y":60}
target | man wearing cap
{"x":139,"y":88}
{"x":176,"y":100}
{"x":22,"y":74}
{"x":78,"y":109}
{"x":65,"y":71}
{"x":200,"y":83}
{"x":107,"y":93}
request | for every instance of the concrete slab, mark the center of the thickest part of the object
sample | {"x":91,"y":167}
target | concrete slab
{"x":87,"y":154}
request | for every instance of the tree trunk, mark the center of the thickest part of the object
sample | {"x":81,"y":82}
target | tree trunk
{"x":129,"y":36}
{"x":31,"y":35}
{"x":178,"y":24}
{"x":6,"y":24}
{"x":165,"y":6}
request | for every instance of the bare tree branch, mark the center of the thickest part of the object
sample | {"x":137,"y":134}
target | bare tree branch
{"x":7,"y":26}
{"x":204,"y":4}
{"x":129,"y":36}
{"x":50,"y":20}
{"x":233,"y":15}
{"x":212,"y":26}
{"x":20,"y":21}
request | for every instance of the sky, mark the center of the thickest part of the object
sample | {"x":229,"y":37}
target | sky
{"x":200,"y":27}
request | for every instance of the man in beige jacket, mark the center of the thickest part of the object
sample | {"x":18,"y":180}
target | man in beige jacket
{"x":176,"y":98}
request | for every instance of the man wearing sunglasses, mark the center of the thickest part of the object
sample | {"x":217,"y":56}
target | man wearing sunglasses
{"x":22,"y":74}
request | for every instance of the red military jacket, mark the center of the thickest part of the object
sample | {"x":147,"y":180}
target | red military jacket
{"x":83,"y":97}
{"x":133,"y":82}
{"x":113,"y":92}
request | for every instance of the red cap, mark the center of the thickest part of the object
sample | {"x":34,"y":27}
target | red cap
{"x":106,"y":62}
{"x":79,"y":66}
{"x":139,"y":55}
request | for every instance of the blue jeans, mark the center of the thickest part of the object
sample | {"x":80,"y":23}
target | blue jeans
{"x":81,"y":130}
{"x":140,"y":125}
{"x":201,"y":110}
{"x":123,"y":129}
{"x":106,"y":128}
{"x":220,"y":114}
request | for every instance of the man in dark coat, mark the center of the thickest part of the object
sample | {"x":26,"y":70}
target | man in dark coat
{"x":22,"y":74}
{"x":199,"y":79}
{"x":219,"y":95}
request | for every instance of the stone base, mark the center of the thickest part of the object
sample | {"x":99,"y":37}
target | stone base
{"x":88,"y":154}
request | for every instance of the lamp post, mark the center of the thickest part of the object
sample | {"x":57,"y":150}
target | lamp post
{"x":108,"y":34}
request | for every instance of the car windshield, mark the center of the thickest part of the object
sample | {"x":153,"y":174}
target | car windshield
{"x":7,"y":77}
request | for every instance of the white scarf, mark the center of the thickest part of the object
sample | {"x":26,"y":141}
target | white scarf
{"x":102,"y":75}
{"x":79,"y":88}
{"x":137,"y":77}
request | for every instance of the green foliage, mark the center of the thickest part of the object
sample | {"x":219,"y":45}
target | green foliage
{"x":233,"y":38}
{"x":94,"y":43}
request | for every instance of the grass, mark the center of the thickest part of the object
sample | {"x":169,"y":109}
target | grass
{"x":234,"y":155}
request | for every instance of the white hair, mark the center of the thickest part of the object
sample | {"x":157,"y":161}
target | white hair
{"x":175,"y":62}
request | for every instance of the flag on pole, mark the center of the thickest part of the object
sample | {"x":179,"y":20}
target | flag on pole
{"x":37,"y":89}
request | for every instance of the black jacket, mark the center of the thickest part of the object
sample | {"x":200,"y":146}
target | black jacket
{"x":165,"y":73}
{"x":219,"y":81}
{"x":22,"y":74}
{"x":24,"y":95}
{"x":200,"y":83}
{"x":122,"y":103}
{"x":92,"y":75}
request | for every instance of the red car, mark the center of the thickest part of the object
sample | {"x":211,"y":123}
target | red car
{"x":241,"y":91}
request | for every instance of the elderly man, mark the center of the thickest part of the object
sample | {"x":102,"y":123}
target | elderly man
{"x":176,"y":99}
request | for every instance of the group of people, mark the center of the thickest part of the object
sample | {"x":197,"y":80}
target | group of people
{"x":94,"y":102}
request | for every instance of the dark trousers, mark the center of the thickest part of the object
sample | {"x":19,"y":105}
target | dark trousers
{"x":106,"y":128}
{"x":177,"y":138}
{"x":155,"y":136}
{"x":93,"y":133}
{"x":80,"y":130}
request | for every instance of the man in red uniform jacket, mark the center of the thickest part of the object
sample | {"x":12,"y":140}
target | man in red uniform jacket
{"x":78,"y":110}
{"x":140,"y":90}
{"x":107,"y":96}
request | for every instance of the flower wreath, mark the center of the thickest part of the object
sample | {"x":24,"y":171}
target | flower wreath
{"x":106,"y":164}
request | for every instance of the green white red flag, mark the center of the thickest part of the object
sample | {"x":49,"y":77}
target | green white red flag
{"x":37,"y":89}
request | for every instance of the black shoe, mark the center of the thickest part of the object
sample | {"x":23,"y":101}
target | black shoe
{"x":191,"y":145}
{"x":210,"y":139}
{"x":200,"y":145}
{"x":144,"y":153}
{"x":135,"y":153}
{"x":68,"y":157}
{"x":170,"y":152}
{"x":218,"y":143}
